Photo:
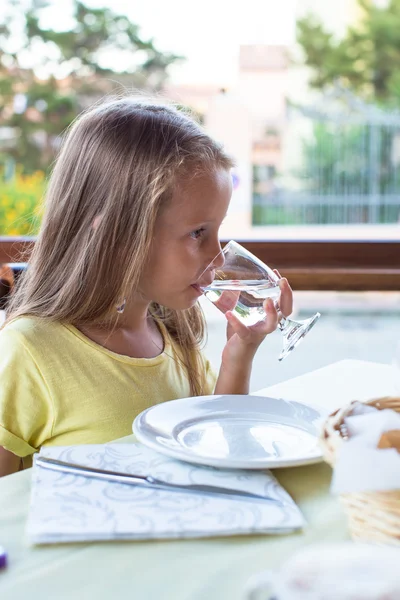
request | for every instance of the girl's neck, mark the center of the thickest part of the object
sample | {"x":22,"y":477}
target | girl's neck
{"x":136,"y":334}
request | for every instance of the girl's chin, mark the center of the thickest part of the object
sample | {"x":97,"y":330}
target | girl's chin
{"x":182,"y":304}
{"x":182,"y":301}
{"x":189,"y":303}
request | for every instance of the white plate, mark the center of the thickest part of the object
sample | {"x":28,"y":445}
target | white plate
{"x":238,"y":432}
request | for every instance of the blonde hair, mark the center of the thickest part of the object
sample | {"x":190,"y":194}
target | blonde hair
{"x":120,"y":160}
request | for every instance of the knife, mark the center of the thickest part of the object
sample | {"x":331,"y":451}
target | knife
{"x":147,"y":480}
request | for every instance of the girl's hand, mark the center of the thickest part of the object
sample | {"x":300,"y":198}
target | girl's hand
{"x":253,"y":335}
{"x":243,"y":341}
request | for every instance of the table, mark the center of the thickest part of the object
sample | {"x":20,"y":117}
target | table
{"x":205,"y":569}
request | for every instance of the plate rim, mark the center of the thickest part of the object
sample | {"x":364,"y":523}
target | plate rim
{"x":181,"y":454}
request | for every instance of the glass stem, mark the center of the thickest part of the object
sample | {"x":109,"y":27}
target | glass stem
{"x":283,"y":323}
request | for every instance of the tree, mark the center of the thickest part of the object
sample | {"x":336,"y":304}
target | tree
{"x":72,"y":69}
{"x":366,"y":60}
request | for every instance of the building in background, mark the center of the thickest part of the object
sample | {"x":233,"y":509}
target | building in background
{"x":252,"y":118}
{"x":248,"y":119}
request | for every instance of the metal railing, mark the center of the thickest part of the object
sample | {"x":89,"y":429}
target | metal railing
{"x":341,"y":165}
{"x":305,"y":209}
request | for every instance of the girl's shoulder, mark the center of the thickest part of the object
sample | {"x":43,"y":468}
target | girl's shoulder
{"x":28,"y":330}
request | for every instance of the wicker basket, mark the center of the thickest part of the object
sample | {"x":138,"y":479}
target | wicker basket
{"x":372,"y":516}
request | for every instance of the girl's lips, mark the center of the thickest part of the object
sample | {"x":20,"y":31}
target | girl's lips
{"x":201,"y":286}
{"x":196,"y":287}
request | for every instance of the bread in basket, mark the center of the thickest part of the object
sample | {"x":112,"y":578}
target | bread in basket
{"x":372,"y":516}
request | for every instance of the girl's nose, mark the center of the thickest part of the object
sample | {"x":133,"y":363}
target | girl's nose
{"x":219,"y":259}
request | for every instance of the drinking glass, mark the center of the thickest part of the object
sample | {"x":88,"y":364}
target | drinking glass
{"x":242,"y":284}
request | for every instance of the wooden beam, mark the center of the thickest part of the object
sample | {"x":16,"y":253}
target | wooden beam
{"x":342,"y":265}
{"x":343,"y":280}
{"x":327,"y":253}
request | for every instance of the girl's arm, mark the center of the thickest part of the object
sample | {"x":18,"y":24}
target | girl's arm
{"x":9,"y":462}
{"x":234,"y":380}
{"x":243,"y":343}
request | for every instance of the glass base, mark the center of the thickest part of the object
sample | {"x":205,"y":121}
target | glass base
{"x":294,"y":332}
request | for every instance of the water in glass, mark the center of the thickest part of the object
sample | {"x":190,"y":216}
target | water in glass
{"x":244,"y":297}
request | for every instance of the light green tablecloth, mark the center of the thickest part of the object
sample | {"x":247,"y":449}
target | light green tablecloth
{"x":206,"y":569}
{"x":178,"y":570}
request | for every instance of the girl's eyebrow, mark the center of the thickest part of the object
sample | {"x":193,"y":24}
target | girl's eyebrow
{"x":205,"y":222}
{"x":199,"y":223}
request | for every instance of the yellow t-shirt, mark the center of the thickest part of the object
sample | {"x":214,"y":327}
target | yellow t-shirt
{"x":57,"y":387}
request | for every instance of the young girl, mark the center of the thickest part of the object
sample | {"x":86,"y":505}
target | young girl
{"x":106,"y":323}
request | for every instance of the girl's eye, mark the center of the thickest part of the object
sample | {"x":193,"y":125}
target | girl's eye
{"x":197,"y":233}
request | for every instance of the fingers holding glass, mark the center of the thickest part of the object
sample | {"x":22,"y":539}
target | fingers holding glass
{"x":249,"y":283}
{"x":227,"y":300}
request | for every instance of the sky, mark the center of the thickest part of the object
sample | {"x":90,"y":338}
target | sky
{"x":208,"y":32}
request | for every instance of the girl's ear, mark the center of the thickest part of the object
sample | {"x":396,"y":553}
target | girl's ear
{"x":96,"y":222}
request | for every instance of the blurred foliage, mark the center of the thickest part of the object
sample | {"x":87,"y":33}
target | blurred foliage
{"x":20,"y":204}
{"x":347,"y":158}
{"x":73,"y":68}
{"x":366,"y":60}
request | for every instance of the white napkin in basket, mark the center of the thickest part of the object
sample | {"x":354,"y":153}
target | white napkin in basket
{"x":67,"y":508}
{"x":360,"y":465}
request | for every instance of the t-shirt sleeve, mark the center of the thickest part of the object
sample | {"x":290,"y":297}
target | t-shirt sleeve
{"x":210,"y":377}
{"x":26,"y":410}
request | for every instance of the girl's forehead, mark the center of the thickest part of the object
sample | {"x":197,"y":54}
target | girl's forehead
{"x":198,"y":194}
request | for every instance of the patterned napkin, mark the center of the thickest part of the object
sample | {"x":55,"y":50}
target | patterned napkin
{"x":70,"y":508}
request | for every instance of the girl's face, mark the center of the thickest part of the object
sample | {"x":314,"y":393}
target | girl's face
{"x":186,"y":241}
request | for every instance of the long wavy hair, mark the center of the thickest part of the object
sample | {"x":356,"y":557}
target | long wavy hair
{"x":120,"y":160}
